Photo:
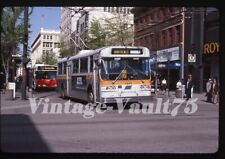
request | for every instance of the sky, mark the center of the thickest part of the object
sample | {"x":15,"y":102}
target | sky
{"x":43,"y":17}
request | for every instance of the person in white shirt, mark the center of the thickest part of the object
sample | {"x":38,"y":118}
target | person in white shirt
{"x":164,"y":84}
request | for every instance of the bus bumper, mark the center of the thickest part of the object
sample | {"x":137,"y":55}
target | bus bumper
{"x":138,"y":99}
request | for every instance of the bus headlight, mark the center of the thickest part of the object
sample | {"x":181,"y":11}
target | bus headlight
{"x":110,"y":87}
{"x":145,"y":87}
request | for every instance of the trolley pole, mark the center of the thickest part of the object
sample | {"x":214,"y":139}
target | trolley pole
{"x":24,"y":61}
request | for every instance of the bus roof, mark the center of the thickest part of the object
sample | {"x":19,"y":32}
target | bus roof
{"x":106,"y":52}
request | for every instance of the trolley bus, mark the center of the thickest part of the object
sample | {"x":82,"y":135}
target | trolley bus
{"x":104,"y":74}
{"x":44,"y":76}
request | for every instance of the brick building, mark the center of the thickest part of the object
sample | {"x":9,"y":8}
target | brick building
{"x":160,"y":29}
{"x":182,"y":41}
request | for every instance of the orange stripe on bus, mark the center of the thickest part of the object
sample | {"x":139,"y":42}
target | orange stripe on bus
{"x":62,"y":78}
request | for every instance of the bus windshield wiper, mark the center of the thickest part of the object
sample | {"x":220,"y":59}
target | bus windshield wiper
{"x":119,"y":74}
{"x":136,"y":71}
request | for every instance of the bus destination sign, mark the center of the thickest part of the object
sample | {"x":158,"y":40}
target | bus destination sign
{"x":121,"y":51}
{"x":47,"y":68}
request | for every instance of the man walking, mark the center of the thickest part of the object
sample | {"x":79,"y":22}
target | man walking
{"x":208,"y":90}
{"x":188,"y":87}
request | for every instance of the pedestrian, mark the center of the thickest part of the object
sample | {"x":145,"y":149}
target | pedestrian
{"x":164,"y":85}
{"x":179,"y":84}
{"x":215,"y":91}
{"x":189,"y":87}
{"x":179,"y":89}
{"x":208,"y":90}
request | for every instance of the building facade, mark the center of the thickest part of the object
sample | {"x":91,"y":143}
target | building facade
{"x":77,"y":34}
{"x":176,"y":37}
{"x":160,"y":30}
{"x":68,"y":24}
{"x":45,"y":42}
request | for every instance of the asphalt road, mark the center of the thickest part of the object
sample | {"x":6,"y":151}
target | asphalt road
{"x":110,"y":132}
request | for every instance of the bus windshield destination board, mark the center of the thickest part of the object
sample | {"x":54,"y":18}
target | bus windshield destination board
{"x":121,"y":51}
{"x":47,"y":68}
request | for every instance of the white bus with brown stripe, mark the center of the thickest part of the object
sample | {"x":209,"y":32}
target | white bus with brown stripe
{"x":105,"y":74}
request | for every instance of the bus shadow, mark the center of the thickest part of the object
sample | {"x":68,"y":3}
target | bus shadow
{"x":44,"y":90}
{"x":19,"y":134}
{"x":115,"y":106}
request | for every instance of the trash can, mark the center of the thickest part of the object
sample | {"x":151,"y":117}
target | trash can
{"x":12,"y":88}
{"x":179,"y":93}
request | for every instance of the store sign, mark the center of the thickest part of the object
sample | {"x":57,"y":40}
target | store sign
{"x":162,"y":54}
{"x":191,"y":57}
{"x":161,"y":65}
{"x":211,"y":48}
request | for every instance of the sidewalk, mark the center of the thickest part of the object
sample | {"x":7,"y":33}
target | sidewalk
{"x":200,"y":96}
{"x":6,"y":98}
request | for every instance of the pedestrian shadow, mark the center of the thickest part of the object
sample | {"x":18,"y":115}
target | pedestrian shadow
{"x":19,"y":134}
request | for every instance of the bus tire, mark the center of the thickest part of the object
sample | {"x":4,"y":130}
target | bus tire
{"x":90,"y":96}
{"x":63,"y":92}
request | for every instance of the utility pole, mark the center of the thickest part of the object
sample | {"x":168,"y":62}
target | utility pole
{"x":24,"y":61}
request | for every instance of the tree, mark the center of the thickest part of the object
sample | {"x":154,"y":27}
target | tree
{"x":96,"y":36}
{"x":119,"y":30}
{"x":48,"y":58}
{"x":12,"y":32}
{"x":65,"y":52}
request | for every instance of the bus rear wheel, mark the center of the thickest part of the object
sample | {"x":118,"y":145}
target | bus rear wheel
{"x":63,"y":93}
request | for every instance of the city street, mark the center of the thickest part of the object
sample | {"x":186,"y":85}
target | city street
{"x":110,"y":132}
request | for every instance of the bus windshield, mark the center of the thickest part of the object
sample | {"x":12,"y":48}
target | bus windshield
{"x":46,"y":75}
{"x":136,"y":69}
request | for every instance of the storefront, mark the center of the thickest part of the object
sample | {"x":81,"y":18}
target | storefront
{"x":166,"y":63}
{"x":211,"y":61}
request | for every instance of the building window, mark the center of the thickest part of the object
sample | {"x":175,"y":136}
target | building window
{"x":164,"y":39}
{"x":117,"y":9}
{"x":51,"y":37}
{"x":151,"y":41}
{"x":44,"y":37}
{"x":47,"y":37}
{"x":170,"y":37}
{"x":157,"y":41}
{"x":121,"y":9}
{"x":177,"y":34}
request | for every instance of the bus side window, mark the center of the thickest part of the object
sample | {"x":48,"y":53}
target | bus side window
{"x":75,"y":66}
{"x":60,"y":68}
{"x":91,"y":64}
{"x":64,"y":67}
{"x":84,"y":65}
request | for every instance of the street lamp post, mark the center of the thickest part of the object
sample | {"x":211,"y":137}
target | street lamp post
{"x":182,"y":52}
{"x":168,"y":71}
{"x":156,"y":73}
{"x":24,"y":81}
